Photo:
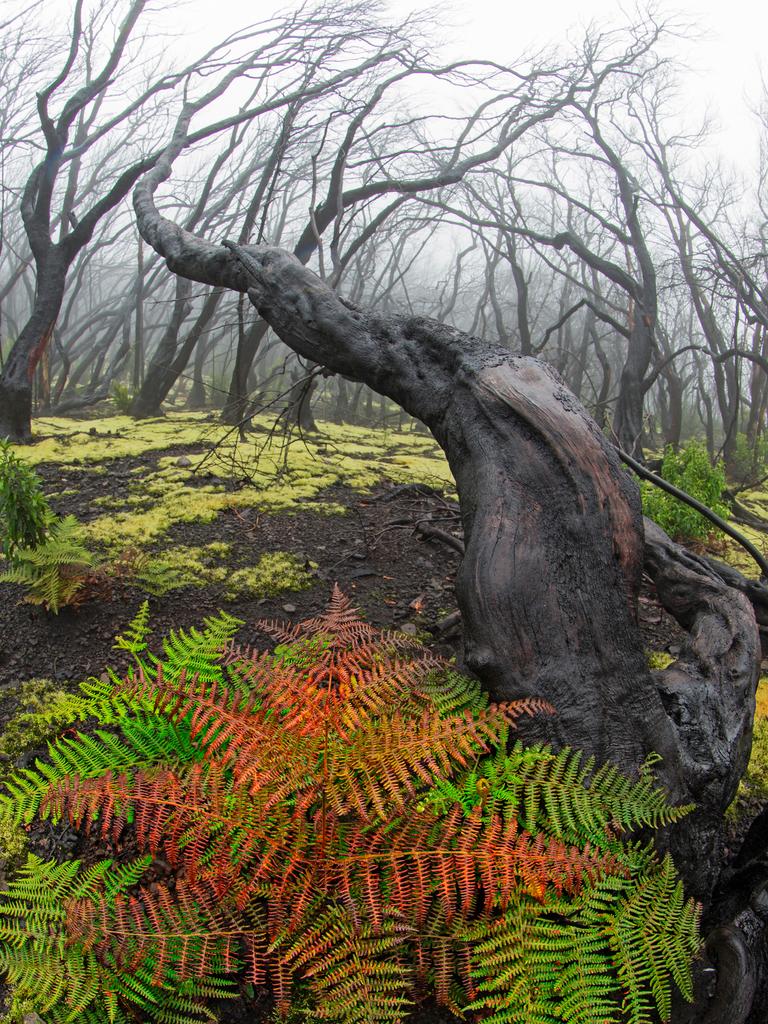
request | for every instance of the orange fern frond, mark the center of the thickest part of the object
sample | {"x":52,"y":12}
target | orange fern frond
{"x":181,"y":929}
{"x":378,"y":770}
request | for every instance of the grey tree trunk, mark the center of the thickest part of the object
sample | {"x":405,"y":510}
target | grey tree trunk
{"x":18,"y":373}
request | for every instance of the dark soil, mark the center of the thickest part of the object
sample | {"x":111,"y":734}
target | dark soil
{"x":373,"y":552}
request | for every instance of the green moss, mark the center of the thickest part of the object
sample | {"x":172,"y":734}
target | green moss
{"x":276,"y":572}
{"x":219,"y":548}
{"x":734,"y":553}
{"x":37,"y":721}
{"x":13,"y":848}
{"x":277,"y":478}
{"x":761,"y":698}
{"x":186,"y":566}
{"x":658,"y":660}
{"x":20,"y":1011}
{"x":754,"y":784}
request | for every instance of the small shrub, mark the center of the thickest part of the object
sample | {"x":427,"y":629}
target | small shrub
{"x":750,"y":462}
{"x":691,"y":471}
{"x":346,"y":814}
{"x":122,"y":398}
{"x":24,"y":511}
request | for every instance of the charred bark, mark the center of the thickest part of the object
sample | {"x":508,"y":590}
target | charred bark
{"x":18,"y":373}
{"x":298,"y":403}
{"x":236,"y":406}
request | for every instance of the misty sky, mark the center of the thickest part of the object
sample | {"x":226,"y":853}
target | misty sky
{"x":722,"y":44}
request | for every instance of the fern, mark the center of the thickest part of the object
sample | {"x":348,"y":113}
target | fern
{"x":68,"y":981}
{"x":134,"y":639}
{"x":146,"y":741}
{"x":350,"y":812}
{"x":56,"y":569}
{"x":195,"y":652}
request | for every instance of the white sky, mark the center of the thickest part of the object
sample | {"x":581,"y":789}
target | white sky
{"x":720,"y":52}
{"x":722,"y":46}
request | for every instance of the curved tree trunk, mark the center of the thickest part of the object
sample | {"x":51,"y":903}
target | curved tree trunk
{"x":160,"y":376}
{"x":554,"y":538}
{"x":298,"y":402}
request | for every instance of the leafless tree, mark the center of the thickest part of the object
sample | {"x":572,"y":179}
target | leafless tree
{"x":83,"y":174}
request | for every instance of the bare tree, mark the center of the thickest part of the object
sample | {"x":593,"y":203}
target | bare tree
{"x":92,"y":117}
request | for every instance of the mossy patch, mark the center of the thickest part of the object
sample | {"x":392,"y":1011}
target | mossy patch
{"x":40,"y":717}
{"x":185,"y":566}
{"x":658,"y":660}
{"x":85,"y":442}
{"x":13,"y":848}
{"x":754,"y":784}
{"x":37,"y":720}
{"x":264,"y":473}
{"x":756,"y":502}
{"x":276,"y":572}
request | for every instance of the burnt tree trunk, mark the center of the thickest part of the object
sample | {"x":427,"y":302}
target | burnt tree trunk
{"x":160,"y":377}
{"x":298,"y":402}
{"x":18,"y":373}
{"x":555,"y":544}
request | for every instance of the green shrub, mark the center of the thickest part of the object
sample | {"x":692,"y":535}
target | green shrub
{"x":121,"y":397}
{"x":24,"y":510}
{"x":350,"y":816}
{"x":690,"y":470}
{"x":750,"y":462}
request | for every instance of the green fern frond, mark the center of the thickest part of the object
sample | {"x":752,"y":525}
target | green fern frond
{"x":145,"y":741}
{"x":197,"y":652}
{"x":451,"y":693}
{"x":107,"y":700}
{"x":56,"y":569}
{"x":347,"y":811}
{"x":358,"y":974}
{"x":573,"y":800}
{"x":134,"y":638}
{"x":67,"y":979}
{"x":653,"y":934}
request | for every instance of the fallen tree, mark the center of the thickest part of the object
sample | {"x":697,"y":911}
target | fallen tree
{"x":555,"y":548}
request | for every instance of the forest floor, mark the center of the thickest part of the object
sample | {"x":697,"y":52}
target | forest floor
{"x":261,"y":528}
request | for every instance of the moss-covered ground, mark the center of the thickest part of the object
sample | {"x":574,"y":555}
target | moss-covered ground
{"x":205,"y":520}
{"x":216,"y":472}
{"x":756,"y":501}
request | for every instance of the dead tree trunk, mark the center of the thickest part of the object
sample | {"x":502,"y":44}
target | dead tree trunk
{"x":19,"y":370}
{"x":554,"y":537}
